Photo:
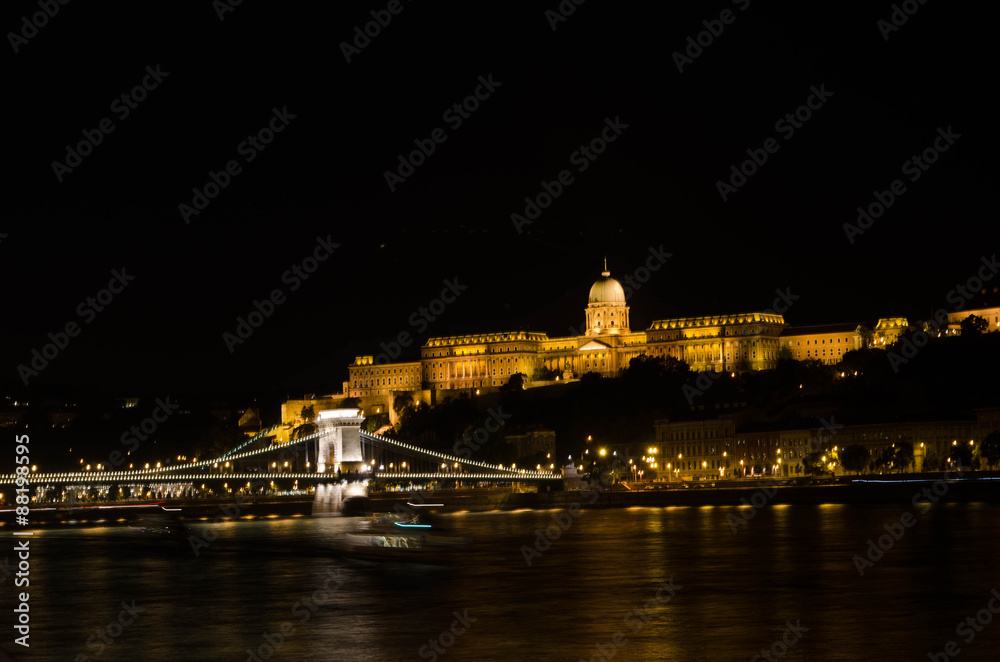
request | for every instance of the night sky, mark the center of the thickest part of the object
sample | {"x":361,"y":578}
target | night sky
{"x":63,"y":232}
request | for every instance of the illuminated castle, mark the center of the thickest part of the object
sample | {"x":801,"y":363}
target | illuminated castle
{"x":721,"y":343}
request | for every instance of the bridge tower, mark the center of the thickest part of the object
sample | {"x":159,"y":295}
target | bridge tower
{"x":341,"y":445}
{"x":339,"y":450}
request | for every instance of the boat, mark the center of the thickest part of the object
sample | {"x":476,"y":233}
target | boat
{"x":165,"y":524}
{"x":401,"y":538}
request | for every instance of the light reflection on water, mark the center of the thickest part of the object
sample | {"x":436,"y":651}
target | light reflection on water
{"x":787,"y":563}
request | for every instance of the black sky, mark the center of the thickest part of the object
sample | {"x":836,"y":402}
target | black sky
{"x":324,"y":175}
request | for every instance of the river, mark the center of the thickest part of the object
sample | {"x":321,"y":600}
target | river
{"x":678,"y":583}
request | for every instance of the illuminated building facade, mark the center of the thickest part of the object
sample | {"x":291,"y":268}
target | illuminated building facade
{"x":722,"y":343}
{"x":742,"y":444}
{"x":985,"y":304}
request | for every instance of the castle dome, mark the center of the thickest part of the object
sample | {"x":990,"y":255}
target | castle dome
{"x":607,"y":290}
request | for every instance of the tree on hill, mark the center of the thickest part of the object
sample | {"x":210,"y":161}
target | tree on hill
{"x":645,"y":367}
{"x":867,"y":336}
{"x":414,"y":420}
{"x":973,"y":325}
{"x":374,"y":422}
{"x":961,"y":454}
{"x":931,"y":461}
{"x":903,"y":457}
{"x":883,"y":461}
{"x":543,"y":374}
{"x":401,"y":402}
{"x":812,"y":465}
{"x":855,"y":458}
{"x":989,"y":450}
{"x":514,"y":384}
